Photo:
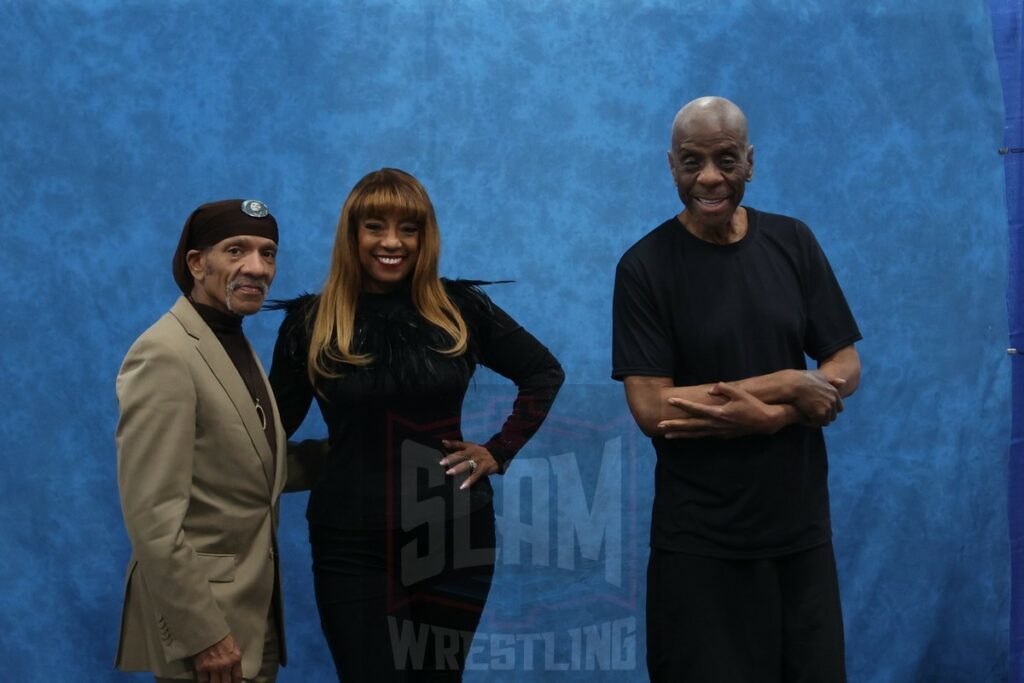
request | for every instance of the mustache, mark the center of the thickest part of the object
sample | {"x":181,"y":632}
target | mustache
{"x":247,"y":282}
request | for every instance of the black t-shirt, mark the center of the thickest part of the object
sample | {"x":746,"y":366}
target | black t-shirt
{"x":386,"y":420}
{"x":700,"y":313}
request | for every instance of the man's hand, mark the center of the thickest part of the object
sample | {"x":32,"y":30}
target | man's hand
{"x":740,"y":415}
{"x":817,"y":397}
{"x":458,"y":461}
{"x":220,"y":663}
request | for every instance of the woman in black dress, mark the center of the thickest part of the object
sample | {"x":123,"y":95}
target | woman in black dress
{"x":401,"y":521}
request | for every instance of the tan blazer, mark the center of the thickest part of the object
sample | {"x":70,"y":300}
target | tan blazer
{"x":199,"y":490}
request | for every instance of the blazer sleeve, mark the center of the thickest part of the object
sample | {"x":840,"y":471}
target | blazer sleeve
{"x":155,"y":449}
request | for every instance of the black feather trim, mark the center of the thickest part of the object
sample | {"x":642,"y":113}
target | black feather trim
{"x":406,"y":349}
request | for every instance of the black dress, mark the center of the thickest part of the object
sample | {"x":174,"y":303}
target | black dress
{"x":402,"y":558}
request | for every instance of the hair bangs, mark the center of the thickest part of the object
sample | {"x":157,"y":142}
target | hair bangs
{"x":387,"y":198}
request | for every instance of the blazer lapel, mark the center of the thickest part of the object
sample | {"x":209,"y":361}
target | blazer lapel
{"x":224,"y":370}
{"x":281,"y":447}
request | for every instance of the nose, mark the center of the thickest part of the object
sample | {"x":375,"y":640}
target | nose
{"x":390,"y":239}
{"x":254,"y":265}
{"x":709,"y":175}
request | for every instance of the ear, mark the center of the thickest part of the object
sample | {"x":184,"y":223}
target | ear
{"x":750,"y":163}
{"x":195,"y":260}
{"x":671,"y":162}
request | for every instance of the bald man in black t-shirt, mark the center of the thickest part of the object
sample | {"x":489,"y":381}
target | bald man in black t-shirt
{"x":714,"y":312}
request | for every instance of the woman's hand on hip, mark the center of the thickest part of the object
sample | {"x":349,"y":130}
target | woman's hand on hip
{"x":466,"y":456}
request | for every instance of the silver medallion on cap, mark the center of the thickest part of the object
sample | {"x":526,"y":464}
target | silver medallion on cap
{"x":254,"y":208}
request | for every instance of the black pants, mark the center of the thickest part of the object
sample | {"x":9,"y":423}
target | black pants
{"x":403,"y":606}
{"x":773,"y":620}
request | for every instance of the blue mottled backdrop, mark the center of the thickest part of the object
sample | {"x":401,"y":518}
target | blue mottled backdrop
{"x":540,"y":129}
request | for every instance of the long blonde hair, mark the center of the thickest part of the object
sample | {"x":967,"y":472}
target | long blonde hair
{"x":384,"y":193}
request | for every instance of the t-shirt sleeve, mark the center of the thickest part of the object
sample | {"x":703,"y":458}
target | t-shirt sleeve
{"x":830,"y":323}
{"x":641,"y":342}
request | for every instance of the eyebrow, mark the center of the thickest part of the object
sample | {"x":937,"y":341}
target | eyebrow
{"x":715,"y":147}
{"x":247,"y":242}
{"x":400,"y":221}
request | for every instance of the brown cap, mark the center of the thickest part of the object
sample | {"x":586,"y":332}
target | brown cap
{"x":217,"y":221}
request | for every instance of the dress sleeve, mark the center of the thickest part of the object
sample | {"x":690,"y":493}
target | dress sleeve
{"x":288,"y":376}
{"x":830,"y":323}
{"x":507,"y":348}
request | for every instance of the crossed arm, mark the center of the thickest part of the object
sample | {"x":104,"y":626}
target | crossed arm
{"x":756,"y":405}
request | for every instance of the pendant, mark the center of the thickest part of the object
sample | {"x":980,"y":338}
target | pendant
{"x":261,"y":414}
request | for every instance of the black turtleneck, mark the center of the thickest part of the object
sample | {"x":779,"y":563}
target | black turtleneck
{"x":228,"y":329}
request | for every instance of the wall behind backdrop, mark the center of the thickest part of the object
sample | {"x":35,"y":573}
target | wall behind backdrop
{"x":540,"y":130}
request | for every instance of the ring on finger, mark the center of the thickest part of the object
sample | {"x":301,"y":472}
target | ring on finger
{"x":473,"y":465}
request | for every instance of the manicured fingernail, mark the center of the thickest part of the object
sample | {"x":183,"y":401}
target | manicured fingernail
{"x":464,"y":485}
{"x":444,"y":461}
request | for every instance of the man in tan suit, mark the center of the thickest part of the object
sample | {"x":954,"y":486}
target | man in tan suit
{"x":201,"y":463}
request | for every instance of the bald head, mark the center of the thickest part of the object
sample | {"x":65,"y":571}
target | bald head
{"x":707,"y":113}
{"x":711,"y":161}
